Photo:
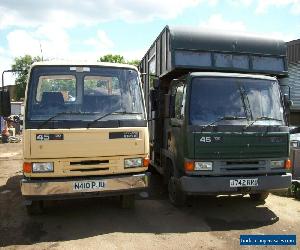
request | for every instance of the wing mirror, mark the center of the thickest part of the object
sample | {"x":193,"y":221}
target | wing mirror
{"x":153,"y":98}
{"x":172,"y":106}
{"x":5,"y":106}
{"x":287,"y":101}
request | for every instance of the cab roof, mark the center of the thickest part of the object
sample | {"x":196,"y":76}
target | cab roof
{"x":83,"y":63}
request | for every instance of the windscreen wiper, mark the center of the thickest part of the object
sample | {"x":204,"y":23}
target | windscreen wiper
{"x":246,"y":102}
{"x":112,"y":113}
{"x":266,"y":118}
{"x":59,"y":114}
{"x":224,"y":118}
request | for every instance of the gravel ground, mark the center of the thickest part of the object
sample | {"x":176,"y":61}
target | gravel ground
{"x":206,"y":223}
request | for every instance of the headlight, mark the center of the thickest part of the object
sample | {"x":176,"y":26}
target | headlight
{"x":203,"y":166}
{"x":277,"y":164}
{"x":133,"y":163}
{"x":39,"y":167}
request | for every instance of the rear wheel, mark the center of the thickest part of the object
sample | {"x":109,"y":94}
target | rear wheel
{"x":35,"y":208}
{"x":167,"y":173}
{"x":176,"y":195}
{"x":259,"y":196}
{"x":289,"y":192}
{"x":128,"y":201}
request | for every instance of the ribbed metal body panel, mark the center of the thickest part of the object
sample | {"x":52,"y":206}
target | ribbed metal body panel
{"x":294,"y":82}
{"x":293,"y":51}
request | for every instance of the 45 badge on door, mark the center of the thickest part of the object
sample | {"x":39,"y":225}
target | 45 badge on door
{"x":211,"y":139}
{"x":49,"y":137}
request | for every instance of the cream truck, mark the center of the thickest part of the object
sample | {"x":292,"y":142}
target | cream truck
{"x":85,"y":133}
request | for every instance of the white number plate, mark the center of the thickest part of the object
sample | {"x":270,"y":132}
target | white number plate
{"x":244,"y":183}
{"x":88,"y":185}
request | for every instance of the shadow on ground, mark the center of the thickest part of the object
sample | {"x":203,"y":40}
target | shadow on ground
{"x":78,"y":219}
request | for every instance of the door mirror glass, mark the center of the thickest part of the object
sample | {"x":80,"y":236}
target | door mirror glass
{"x":5,"y":107}
{"x":153,"y":98}
{"x":155,"y":83}
{"x":172,"y":106}
{"x":287,"y":102}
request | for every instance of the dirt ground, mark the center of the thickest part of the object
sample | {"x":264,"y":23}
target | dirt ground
{"x":206,"y":223}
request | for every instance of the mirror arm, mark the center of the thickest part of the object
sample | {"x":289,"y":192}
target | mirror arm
{"x":9,"y":71}
{"x":2,"y":80}
{"x":289,"y":87}
{"x":5,"y":107}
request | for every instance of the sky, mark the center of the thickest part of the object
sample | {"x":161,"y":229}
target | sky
{"x":85,"y":30}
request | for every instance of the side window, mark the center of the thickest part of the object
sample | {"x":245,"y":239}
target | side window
{"x":183,"y":102}
{"x":134,"y":96}
{"x":179,"y":101}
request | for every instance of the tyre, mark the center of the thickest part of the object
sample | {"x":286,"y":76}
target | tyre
{"x":176,"y":196}
{"x":152,"y":170}
{"x":35,"y":208}
{"x":259,"y":196}
{"x":128,"y":201}
{"x":166,"y":176}
{"x":297,"y":193}
{"x":289,"y":192}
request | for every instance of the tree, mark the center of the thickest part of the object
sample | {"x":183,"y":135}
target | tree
{"x":112,"y":58}
{"x":22,"y":64}
{"x":134,"y":62}
{"x":118,"y":59}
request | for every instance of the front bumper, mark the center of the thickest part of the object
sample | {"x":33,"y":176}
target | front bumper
{"x":221,"y":185}
{"x":64,"y":188}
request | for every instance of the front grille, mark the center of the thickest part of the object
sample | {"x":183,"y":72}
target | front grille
{"x":241,"y":169}
{"x":242,"y":162}
{"x":89,"y":169}
{"x":89,"y":162}
{"x":90,"y":166}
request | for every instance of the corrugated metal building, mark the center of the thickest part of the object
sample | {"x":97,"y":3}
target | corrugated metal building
{"x":293,"y":56}
{"x":293,"y":51}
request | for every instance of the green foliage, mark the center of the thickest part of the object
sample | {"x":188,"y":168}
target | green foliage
{"x":112,"y":58}
{"x":134,"y":62}
{"x":23,"y":64}
{"x":118,"y":59}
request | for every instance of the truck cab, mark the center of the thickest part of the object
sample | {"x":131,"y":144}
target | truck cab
{"x":85,"y":133}
{"x":225,"y":127}
{"x":218,"y":119}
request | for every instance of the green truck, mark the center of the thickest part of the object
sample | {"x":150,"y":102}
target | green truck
{"x":218,"y":119}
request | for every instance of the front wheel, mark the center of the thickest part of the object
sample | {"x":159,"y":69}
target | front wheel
{"x":297,"y":193}
{"x":176,"y":195}
{"x":259,"y":196}
{"x":35,"y":208}
{"x":128,"y":201}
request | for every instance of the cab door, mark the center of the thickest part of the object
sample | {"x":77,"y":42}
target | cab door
{"x":176,"y":132}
